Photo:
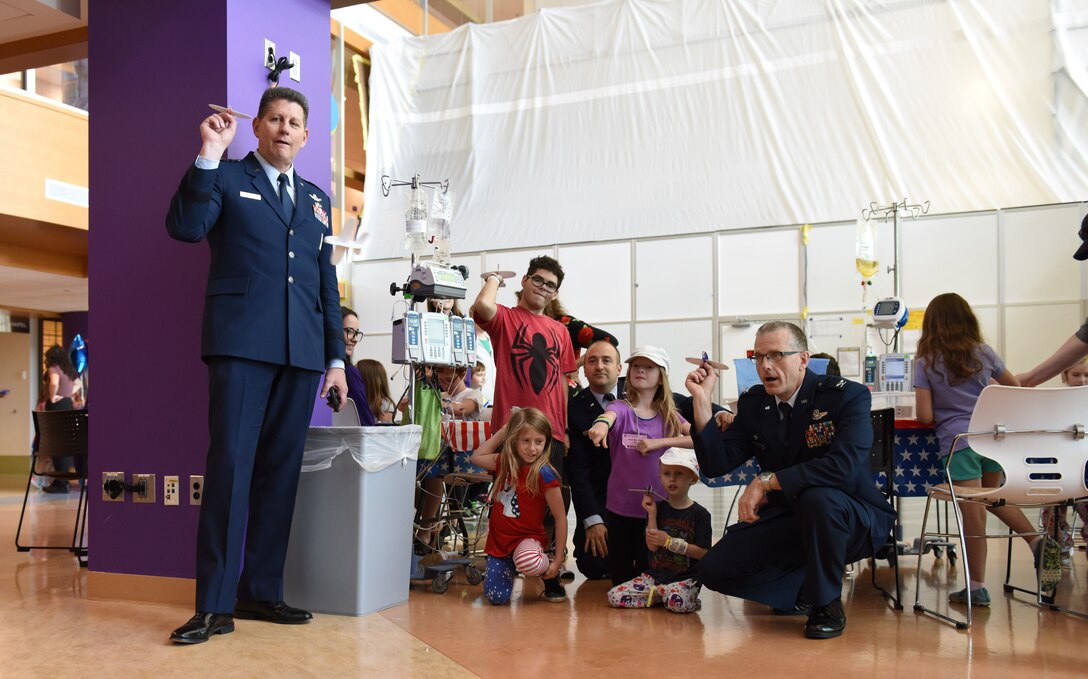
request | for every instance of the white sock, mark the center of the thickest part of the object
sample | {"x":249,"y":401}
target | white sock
{"x":976,"y":586}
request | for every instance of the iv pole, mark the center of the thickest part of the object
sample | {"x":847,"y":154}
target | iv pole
{"x":893,"y":211}
{"x":387,"y":184}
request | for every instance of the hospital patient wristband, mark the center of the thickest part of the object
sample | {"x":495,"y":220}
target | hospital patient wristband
{"x":676,"y":545}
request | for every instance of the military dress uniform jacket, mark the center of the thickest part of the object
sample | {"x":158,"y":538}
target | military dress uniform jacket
{"x":272,"y":294}
{"x":829,"y":445}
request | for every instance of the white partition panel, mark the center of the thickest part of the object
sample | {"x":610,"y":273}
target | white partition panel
{"x":518,"y":262}
{"x":622,"y":332}
{"x":474,"y":263}
{"x":370,"y":292}
{"x":759,"y":272}
{"x":1034,"y":332}
{"x":955,"y":253}
{"x":736,"y":340}
{"x":989,"y":320}
{"x":675,"y":278}
{"x":1039,"y":247}
{"x":834,"y":283}
{"x":679,"y":339}
{"x":827,"y":333}
{"x":597,"y":288}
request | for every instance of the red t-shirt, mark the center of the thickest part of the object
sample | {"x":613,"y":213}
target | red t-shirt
{"x":516,"y":514}
{"x":532,"y":353}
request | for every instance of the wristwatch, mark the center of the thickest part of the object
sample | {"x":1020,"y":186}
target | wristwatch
{"x":765,"y":479}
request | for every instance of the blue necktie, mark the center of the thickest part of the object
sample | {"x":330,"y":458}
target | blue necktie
{"x":285,"y":198}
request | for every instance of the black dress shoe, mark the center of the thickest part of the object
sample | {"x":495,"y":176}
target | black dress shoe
{"x":202,"y":626}
{"x":271,"y":611}
{"x":798,"y":609}
{"x":827,"y":621}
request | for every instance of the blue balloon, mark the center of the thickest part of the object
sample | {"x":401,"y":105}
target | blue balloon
{"x":77,"y":352}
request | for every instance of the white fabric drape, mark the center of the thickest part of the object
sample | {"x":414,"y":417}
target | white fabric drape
{"x":632,"y":118}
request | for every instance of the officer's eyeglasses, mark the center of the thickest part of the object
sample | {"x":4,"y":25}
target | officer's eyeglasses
{"x":772,"y":356}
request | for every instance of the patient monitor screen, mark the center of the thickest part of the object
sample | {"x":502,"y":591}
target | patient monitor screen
{"x":895,"y":369}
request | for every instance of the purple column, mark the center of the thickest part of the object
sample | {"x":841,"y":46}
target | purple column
{"x":155,"y":67}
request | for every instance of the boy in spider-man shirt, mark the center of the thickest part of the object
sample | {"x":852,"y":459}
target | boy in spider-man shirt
{"x":532,"y":354}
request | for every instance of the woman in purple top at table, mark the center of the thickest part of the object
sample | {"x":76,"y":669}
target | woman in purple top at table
{"x":356,"y":386}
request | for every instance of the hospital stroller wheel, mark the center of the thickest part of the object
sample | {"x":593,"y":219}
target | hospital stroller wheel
{"x":473,"y":575}
{"x":441,"y":583}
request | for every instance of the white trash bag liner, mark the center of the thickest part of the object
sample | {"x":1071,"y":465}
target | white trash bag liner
{"x":373,"y":448}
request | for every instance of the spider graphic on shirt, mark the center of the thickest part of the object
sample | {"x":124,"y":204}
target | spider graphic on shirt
{"x":535,"y":358}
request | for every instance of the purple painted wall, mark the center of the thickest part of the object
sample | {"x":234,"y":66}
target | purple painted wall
{"x":151,"y":89}
{"x":75,"y":322}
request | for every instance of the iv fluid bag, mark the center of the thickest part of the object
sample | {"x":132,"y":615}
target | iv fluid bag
{"x":865,"y":248}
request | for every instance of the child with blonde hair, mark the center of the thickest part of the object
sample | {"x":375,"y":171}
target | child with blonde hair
{"x":525,"y":486}
{"x":637,"y":431}
{"x":678,"y":534}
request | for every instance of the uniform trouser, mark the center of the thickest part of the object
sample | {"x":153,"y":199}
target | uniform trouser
{"x":593,"y":567}
{"x":794,"y":555}
{"x":627,"y":552}
{"x":258,"y":416}
{"x":557,"y":457}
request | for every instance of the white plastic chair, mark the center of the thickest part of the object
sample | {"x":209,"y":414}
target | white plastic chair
{"x":1038,"y":438}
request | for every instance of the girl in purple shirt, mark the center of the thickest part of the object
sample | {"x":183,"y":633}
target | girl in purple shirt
{"x":953,"y":366}
{"x":637,"y":431}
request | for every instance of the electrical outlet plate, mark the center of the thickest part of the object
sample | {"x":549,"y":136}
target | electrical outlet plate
{"x":296,"y":70}
{"x":147,"y":495}
{"x":269,"y":55}
{"x":196,"y":489}
{"x":170,"y":490}
{"x":112,"y":476}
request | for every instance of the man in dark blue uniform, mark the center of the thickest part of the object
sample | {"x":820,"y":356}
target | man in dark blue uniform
{"x":815,"y":507}
{"x":272,"y":326}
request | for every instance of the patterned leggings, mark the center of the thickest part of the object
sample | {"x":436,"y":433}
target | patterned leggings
{"x":499,"y":576}
{"x":643,"y":592}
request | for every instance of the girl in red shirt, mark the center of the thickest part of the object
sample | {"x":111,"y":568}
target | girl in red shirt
{"x":525,"y":486}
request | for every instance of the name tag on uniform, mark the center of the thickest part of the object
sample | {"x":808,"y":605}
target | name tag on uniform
{"x":251,"y":196}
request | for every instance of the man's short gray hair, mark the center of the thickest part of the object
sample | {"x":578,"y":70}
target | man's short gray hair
{"x":797,"y":336}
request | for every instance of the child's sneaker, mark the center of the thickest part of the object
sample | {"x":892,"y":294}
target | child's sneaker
{"x":1048,"y":561}
{"x":979,"y":597}
{"x":554,"y":592}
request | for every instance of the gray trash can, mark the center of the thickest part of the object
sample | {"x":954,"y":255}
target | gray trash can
{"x":351,"y":537}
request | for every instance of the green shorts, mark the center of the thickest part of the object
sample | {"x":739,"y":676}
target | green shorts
{"x":968,"y":465}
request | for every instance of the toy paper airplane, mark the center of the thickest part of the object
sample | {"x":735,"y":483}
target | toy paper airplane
{"x":648,"y":489}
{"x":226,"y":109}
{"x":706,"y":359}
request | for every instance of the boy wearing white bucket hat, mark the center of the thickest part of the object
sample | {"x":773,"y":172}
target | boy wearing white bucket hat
{"x":678,"y":534}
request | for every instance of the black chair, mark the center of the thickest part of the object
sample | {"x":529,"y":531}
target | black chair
{"x":61,"y":434}
{"x":882,"y":460}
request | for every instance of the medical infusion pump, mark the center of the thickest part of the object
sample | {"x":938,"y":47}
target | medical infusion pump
{"x":890,"y":313}
{"x":433,"y":338}
{"x":894,"y":372}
